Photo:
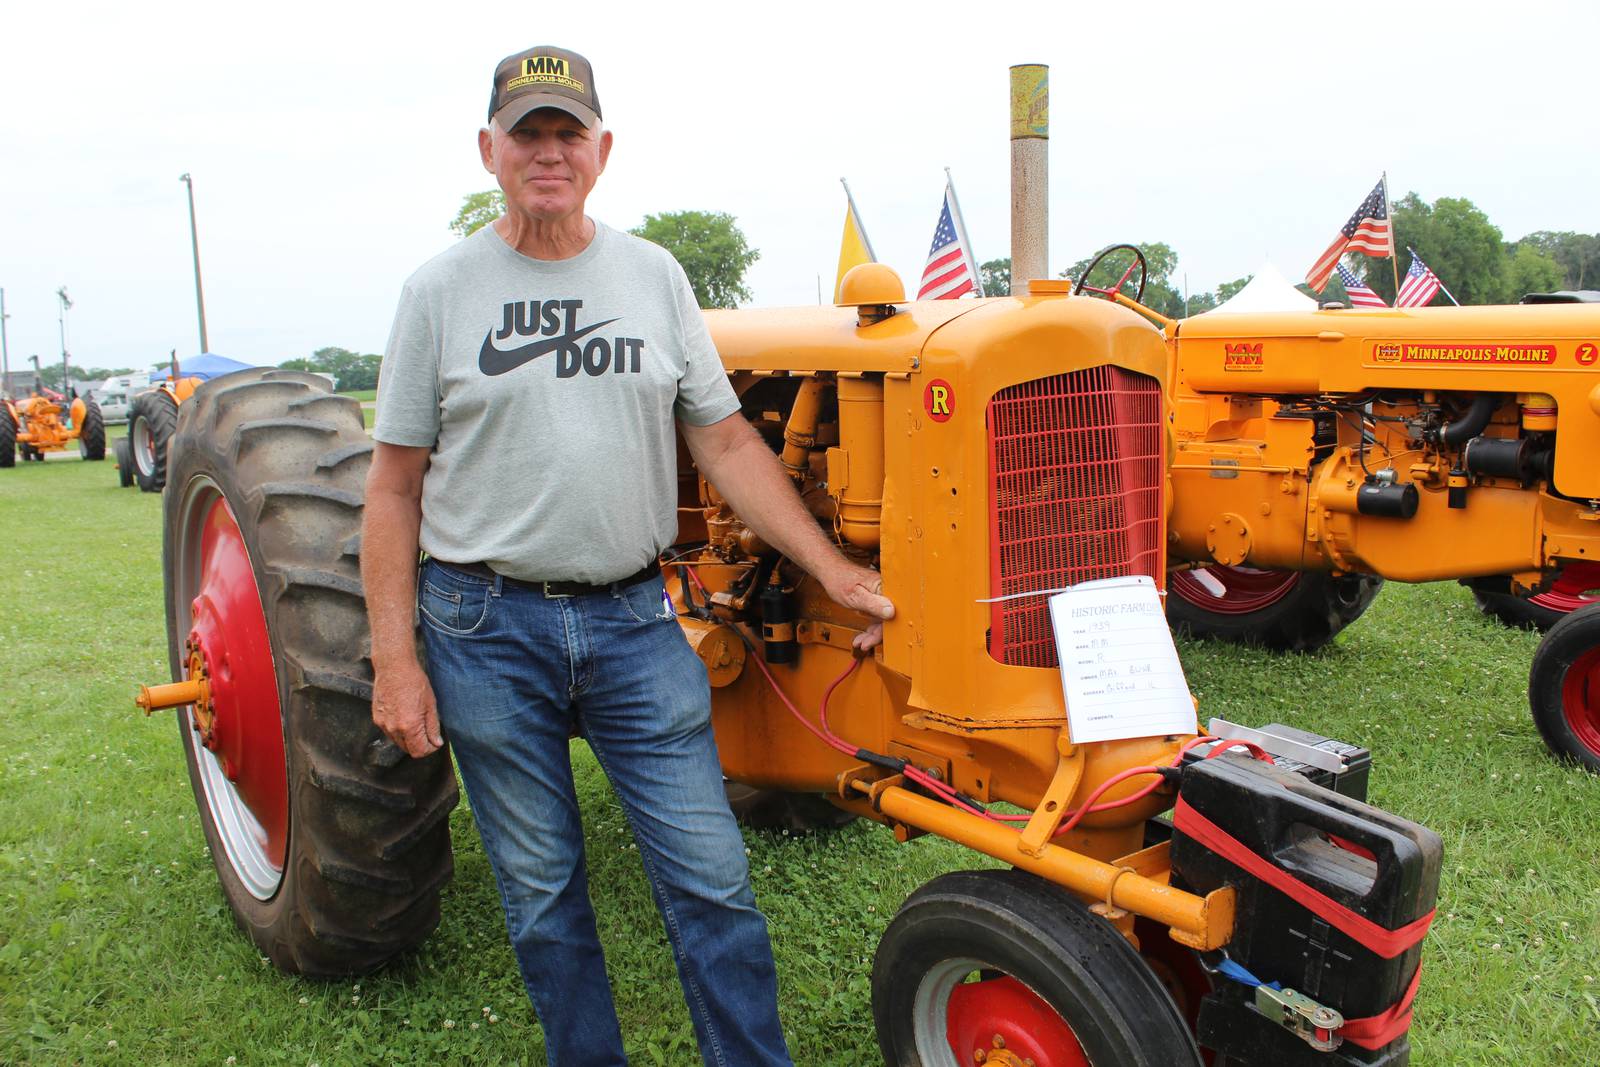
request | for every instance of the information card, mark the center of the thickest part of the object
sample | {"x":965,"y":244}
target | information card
{"x":1119,"y":668}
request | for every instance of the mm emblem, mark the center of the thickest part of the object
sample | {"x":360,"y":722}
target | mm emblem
{"x":549,"y":70}
{"x":939,"y":400}
{"x":1244,"y":355}
{"x":1386,"y":353}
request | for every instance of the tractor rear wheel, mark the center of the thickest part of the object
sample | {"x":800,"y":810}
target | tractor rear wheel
{"x":1573,"y":587}
{"x":8,"y":436}
{"x":977,"y":956}
{"x":1288,"y":611}
{"x":152,"y":418}
{"x":92,"y":434}
{"x":1564,"y":688}
{"x":776,"y":809}
{"x":123,"y":454}
{"x":331,"y":844}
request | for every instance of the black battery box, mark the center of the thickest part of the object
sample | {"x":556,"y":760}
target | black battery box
{"x":1319,"y":877}
{"x":1351,"y":780}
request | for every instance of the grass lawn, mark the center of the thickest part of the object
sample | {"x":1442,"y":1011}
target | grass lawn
{"x":360,"y":394}
{"x":116,"y":947}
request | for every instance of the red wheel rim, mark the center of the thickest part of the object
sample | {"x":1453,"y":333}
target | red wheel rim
{"x":242,"y":767}
{"x":979,"y":1011}
{"x":1577,"y":587}
{"x":1244,"y":589}
{"x":1580,"y":699}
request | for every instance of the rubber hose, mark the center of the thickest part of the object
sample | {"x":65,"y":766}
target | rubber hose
{"x":1472,"y":423}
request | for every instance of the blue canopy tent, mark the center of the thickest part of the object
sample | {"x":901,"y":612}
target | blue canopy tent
{"x":206,"y":365}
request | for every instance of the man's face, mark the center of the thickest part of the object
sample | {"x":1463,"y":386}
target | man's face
{"x":546,"y":164}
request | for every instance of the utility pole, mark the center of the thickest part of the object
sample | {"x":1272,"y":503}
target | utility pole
{"x":66,"y":302}
{"x":5,"y":354}
{"x":194,"y":240}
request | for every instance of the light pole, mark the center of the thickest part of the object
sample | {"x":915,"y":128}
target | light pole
{"x":5,"y":354}
{"x":66,"y":302}
{"x":194,"y":240}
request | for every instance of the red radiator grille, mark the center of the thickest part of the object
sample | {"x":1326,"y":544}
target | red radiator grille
{"x":1075,"y":477}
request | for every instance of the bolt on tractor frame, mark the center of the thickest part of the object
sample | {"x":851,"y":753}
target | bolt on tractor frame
{"x":1320,"y":451}
{"x":982,"y":454}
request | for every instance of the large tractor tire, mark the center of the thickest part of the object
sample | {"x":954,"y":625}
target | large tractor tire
{"x":152,"y":419}
{"x":331,"y":844}
{"x":92,"y":434}
{"x":1571,"y":589}
{"x":1564,"y":688}
{"x":978,"y":961}
{"x":8,"y":436}
{"x":123,"y":453}
{"x":776,"y":809}
{"x":1287,"y":611}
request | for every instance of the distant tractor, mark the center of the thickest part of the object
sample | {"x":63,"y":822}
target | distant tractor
{"x":34,"y":427}
{"x":152,"y":418}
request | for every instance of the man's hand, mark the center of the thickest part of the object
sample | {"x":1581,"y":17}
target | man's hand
{"x":403,"y":708}
{"x":860,"y":589}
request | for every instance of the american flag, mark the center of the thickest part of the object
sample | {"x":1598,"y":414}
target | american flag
{"x":1360,"y":295}
{"x":1367,"y":231}
{"x":1420,"y":287}
{"x":951,"y":270}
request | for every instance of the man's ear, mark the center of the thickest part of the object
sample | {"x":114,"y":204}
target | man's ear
{"x":605,"y":149}
{"x":486,"y":149}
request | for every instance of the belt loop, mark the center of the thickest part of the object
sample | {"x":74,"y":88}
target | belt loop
{"x":498,"y":580}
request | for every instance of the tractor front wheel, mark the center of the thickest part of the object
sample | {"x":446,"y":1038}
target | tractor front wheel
{"x":92,"y":434}
{"x":1564,"y":688}
{"x":8,"y":436}
{"x":980,"y":961}
{"x":152,"y":419}
{"x":123,"y":454}
{"x":1288,"y":611}
{"x":330,"y":843}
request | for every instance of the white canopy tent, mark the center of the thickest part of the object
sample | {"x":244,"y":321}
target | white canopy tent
{"x":1267,"y":290}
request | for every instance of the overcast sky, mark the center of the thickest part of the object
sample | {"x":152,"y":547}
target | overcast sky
{"x":331,"y":145}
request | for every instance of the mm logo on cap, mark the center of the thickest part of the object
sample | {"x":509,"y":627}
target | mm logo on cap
{"x":549,"y":70}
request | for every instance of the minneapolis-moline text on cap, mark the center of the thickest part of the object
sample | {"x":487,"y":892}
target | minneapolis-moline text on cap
{"x":543,"y":76}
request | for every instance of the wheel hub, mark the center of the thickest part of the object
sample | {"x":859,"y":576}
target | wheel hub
{"x":1000,"y":1021}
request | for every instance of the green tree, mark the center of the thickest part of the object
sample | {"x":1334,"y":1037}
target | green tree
{"x":711,"y":249}
{"x":1457,"y":242}
{"x":350,"y":370}
{"x":1578,"y":255}
{"x":1530,"y":270}
{"x":1228,"y":290}
{"x":996,"y":277}
{"x":477,"y":211}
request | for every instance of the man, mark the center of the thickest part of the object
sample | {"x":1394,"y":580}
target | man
{"x":525,"y":442}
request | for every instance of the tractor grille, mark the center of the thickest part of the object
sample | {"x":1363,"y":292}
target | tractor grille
{"x":1075,"y":477}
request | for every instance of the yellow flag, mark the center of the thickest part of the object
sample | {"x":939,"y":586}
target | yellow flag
{"x":854,"y":248}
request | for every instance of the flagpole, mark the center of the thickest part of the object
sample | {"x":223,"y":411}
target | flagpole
{"x":1394,"y":256}
{"x":961,"y":233}
{"x":860,"y":226}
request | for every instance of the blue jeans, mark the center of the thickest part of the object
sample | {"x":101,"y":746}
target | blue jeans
{"x":514,"y":674}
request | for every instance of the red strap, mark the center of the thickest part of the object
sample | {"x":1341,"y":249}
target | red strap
{"x":1376,"y":1031}
{"x":1384,"y":942}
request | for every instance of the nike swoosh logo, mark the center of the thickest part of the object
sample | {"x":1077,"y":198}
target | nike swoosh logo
{"x":492,"y":360}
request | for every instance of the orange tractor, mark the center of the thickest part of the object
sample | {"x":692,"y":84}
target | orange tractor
{"x":34,"y":427}
{"x":985,"y":455}
{"x":1319,"y":452}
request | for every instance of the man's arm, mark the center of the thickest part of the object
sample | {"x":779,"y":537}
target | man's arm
{"x":733,"y":458}
{"x":402,"y":699}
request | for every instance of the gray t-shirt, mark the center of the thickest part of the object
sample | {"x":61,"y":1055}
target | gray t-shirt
{"x":547,"y":390}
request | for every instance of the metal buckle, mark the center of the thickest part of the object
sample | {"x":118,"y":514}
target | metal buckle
{"x":1315,"y":1024}
{"x":544,"y":587}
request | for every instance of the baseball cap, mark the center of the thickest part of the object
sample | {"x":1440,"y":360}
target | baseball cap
{"x":543,"y":76}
